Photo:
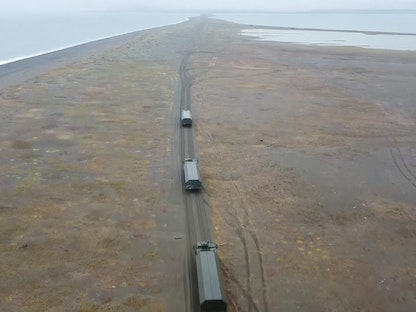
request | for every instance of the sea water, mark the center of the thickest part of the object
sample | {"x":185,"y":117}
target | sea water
{"x":24,"y":35}
{"x":390,"y":30}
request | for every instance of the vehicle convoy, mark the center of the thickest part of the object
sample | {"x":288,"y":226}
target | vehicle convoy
{"x":186,"y":118}
{"x":210,"y":289}
{"x":191,"y":174}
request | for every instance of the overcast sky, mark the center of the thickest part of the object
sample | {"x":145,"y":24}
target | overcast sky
{"x":292,"y":5}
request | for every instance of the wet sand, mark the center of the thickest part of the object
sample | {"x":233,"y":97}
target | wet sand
{"x":308,"y":156}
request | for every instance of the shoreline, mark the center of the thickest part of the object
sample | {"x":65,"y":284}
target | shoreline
{"x":323,"y":38}
{"x":24,"y":69}
{"x":247,"y":26}
{"x":69,"y":46}
{"x":21,"y":58}
{"x":365,"y":32}
{"x":40,"y":33}
{"x":18,"y":70}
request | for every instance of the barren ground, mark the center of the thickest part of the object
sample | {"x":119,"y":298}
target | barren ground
{"x":308,"y":156}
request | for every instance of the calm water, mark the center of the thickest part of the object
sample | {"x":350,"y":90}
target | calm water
{"x":24,"y":35}
{"x":395,"y":23}
{"x":326,"y":38}
{"x":29,"y":34}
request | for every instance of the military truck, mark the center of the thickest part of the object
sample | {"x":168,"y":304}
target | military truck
{"x":191,"y":174}
{"x":186,"y":118}
{"x":210,"y":285}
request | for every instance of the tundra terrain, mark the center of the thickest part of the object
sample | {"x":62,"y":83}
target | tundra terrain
{"x":307,"y":154}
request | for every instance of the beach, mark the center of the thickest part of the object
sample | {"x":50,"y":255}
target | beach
{"x":307,"y":154}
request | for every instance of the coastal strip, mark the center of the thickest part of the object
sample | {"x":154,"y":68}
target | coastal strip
{"x":308,"y":166}
{"x":366,"y":32}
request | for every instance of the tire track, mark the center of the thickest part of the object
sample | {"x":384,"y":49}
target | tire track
{"x":401,"y":165}
{"x":404,"y":164}
{"x":262,"y":276}
{"x":205,"y":231}
{"x":197,"y":221}
{"x":398,"y":159}
{"x":240,"y":235}
{"x":190,"y":302}
{"x":232,"y":278}
{"x":187,"y":151}
{"x":240,"y":231}
{"x":249,"y":228}
{"x":190,"y":280}
{"x":184,"y":82}
{"x":244,"y":224}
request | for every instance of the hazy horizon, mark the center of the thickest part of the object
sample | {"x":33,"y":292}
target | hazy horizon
{"x":213,"y":5}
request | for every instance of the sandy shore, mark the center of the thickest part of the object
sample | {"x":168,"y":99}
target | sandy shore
{"x":333,"y":30}
{"x":308,"y":156}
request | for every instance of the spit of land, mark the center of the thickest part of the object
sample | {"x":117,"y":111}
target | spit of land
{"x":308,"y":159}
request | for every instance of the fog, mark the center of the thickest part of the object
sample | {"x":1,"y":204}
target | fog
{"x":266,"y":5}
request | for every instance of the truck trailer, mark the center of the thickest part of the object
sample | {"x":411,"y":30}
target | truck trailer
{"x":186,"y":118}
{"x":191,"y":174}
{"x":210,"y":286}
